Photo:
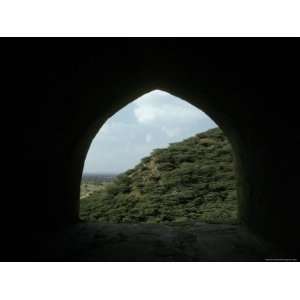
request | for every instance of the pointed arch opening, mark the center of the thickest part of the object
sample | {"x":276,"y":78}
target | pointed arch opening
{"x":159,"y":159}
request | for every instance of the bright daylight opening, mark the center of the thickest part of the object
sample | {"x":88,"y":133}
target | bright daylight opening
{"x":159,"y":160}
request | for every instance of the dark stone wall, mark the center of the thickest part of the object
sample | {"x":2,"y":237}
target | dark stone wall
{"x":250,"y":87}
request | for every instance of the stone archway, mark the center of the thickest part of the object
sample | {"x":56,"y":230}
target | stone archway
{"x":90,"y":135}
{"x":223,"y":106}
{"x":86,"y":88}
{"x":158,"y":120}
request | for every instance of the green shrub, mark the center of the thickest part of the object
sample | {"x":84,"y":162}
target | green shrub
{"x":192,"y":180}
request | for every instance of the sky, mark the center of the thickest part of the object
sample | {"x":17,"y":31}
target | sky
{"x":152,"y":121}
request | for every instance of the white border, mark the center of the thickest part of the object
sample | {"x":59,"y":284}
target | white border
{"x":149,"y":281}
{"x":153,"y":281}
{"x":149,"y":18}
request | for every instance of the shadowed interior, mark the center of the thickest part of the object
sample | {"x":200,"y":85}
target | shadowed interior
{"x":245,"y":85}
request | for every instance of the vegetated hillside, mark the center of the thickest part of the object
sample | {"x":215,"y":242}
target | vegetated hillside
{"x":192,"y":180}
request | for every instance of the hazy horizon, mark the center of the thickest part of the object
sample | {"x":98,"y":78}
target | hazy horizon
{"x":152,"y":121}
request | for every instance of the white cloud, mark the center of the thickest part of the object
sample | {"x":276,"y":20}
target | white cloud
{"x":146,"y":113}
{"x":156,"y":106}
{"x":152,"y":121}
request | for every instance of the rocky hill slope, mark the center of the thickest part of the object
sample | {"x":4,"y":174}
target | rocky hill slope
{"x":192,"y":180}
